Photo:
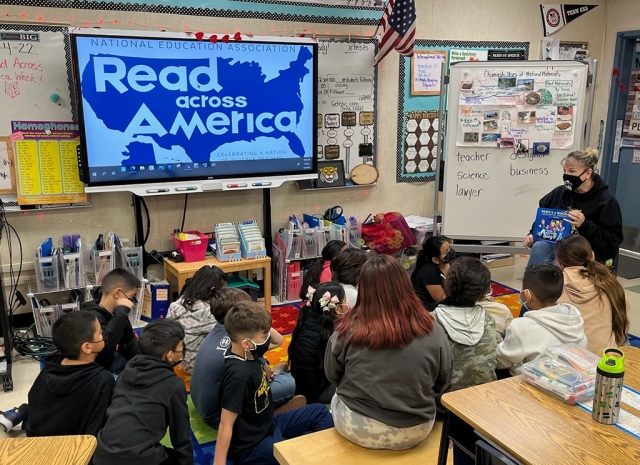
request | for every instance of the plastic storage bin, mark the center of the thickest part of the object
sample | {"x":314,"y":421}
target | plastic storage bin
{"x":131,"y":259}
{"x":559,"y":380}
{"x":102,"y":264}
{"x":192,"y":250}
{"x":48,"y":272}
{"x":575,"y":356}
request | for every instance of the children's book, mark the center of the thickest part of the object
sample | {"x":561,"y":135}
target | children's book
{"x":551,"y":225}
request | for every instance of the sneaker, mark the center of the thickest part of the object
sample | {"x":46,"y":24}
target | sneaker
{"x":10,"y":419}
{"x":295,"y":403}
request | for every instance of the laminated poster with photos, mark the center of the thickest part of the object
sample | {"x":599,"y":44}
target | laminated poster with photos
{"x":522,"y":111}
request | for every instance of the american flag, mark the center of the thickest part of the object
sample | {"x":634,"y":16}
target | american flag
{"x":399,"y":29}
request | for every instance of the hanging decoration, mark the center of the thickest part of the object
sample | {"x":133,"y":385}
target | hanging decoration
{"x":555,"y":17}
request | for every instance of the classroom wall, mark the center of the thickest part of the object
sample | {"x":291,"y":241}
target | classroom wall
{"x":513,"y":20}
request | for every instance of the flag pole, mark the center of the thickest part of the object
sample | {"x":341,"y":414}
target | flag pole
{"x":380,"y":22}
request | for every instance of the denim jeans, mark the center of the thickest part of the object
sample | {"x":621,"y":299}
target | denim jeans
{"x":283,"y":387}
{"x":542,"y":252}
{"x":289,"y":425}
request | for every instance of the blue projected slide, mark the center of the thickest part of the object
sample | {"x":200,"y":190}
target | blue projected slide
{"x":155,"y":109}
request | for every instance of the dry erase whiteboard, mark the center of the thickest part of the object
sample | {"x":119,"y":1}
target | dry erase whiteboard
{"x":492,"y":193}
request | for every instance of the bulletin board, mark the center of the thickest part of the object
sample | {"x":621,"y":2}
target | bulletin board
{"x":418,"y":119}
{"x":309,"y":11}
{"x":509,"y":125}
{"x":37,"y":99}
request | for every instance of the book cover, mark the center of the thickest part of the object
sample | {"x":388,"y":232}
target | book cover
{"x":551,"y":225}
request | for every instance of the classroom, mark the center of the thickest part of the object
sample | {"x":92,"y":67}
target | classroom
{"x":294,"y":232}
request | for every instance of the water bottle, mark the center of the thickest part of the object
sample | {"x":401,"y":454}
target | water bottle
{"x":608,"y":392}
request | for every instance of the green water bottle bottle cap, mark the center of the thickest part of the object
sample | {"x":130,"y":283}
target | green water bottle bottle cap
{"x":612,"y":361}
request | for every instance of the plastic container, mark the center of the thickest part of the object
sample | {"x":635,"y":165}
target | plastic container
{"x":131,"y":259}
{"x":294,"y":281}
{"x":192,"y":250}
{"x":575,"y":356}
{"x":559,"y":380}
{"x":102,"y":264}
{"x":47,"y":272}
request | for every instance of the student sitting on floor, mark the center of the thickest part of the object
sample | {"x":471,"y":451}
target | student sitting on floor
{"x":500,"y":312}
{"x":209,"y":365}
{"x":309,"y":341}
{"x":346,"y":269}
{"x":119,"y":290}
{"x":248,"y":428}
{"x":148,"y":398}
{"x":470,"y":329}
{"x":389,"y":361}
{"x":432,"y":267}
{"x":320,"y":271}
{"x":596,"y":293}
{"x":193,"y":312}
{"x":546,"y":322}
{"x":71,"y":394}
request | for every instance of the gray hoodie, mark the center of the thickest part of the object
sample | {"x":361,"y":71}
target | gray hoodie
{"x":528,"y":337}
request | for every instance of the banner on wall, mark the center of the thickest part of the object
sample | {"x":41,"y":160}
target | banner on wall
{"x":369,"y":4}
{"x":555,"y":17}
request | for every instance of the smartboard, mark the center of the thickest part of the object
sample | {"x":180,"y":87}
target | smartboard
{"x":347,"y":101}
{"x":509,"y":125}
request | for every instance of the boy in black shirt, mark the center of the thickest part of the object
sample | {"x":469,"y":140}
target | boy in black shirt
{"x":71,"y":394}
{"x":248,"y":429}
{"x":119,"y":294}
{"x":148,"y":398}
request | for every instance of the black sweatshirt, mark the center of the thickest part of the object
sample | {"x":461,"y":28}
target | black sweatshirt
{"x":69,"y":399}
{"x":117,"y":332}
{"x":148,"y":398}
{"x":603,"y":220}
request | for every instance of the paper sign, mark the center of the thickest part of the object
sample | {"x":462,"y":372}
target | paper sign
{"x":618,"y":142}
{"x":634,"y":127}
{"x":468,"y":55}
{"x":16,"y":136}
{"x":47,"y":163}
{"x":6,"y":166}
{"x":636,"y":156}
{"x":426,"y":71}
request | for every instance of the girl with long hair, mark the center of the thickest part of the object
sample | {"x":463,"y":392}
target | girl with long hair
{"x":389,"y":361}
{"x":594,"y":290}
{"x":192,"y":310}
{"x":320,"y":271}
{"x":431,"y":269}
{"x":346,"y":270}
{"x":309,"y":341}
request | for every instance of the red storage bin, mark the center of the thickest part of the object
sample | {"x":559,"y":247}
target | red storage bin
{"x":192,"y":250}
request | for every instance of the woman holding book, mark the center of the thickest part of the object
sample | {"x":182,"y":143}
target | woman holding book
{"x":594,"y":212}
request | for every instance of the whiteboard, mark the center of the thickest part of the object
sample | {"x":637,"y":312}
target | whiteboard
{"x":492,"y":193}
{"x":347,"y":101}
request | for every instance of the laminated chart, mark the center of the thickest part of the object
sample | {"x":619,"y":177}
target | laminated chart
{"x":347,"y":95}
{"x":46,"y":155}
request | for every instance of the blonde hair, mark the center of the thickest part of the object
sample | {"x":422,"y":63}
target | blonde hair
{"x":587,"y":157}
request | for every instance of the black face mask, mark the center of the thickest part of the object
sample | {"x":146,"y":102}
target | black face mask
{"x":260,"y":349}
{"x":451,"y":254}
{"x":572,"y":182}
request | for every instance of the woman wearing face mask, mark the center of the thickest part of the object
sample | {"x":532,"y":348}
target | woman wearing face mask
{"x":309,"y":341}
{"x":593,"y":210}
{"x":432,"y":267}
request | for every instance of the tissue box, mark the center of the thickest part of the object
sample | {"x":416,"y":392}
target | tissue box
{"x":156,"y":301}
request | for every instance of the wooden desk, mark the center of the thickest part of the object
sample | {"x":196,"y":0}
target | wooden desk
{"x":50,"y":450}
{"x":328,"y":447}
{"x":177,"y":273}
{"x":538,"y":429}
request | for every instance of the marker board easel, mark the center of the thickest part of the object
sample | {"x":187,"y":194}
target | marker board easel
{"x":492,"y":193}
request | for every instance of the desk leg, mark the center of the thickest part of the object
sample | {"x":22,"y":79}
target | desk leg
{"x":444,"y":440}
{"x":267,"y":287}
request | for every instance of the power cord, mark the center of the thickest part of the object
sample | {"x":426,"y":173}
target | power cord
{"x":184,"y":213}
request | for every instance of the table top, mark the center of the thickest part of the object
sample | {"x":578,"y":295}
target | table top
{"x":538,"y":429}
{"x":328,"y":446}
{"x":58,"y":450}
{"x":229,"y":267}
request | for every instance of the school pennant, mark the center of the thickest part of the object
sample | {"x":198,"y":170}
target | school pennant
{"x":556,"y":16}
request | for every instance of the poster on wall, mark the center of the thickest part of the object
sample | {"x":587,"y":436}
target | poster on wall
{"x":517,"y":109}
{"x":46,"y":155}
{"x":426,"y":71}
{"x":418,"y":119}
